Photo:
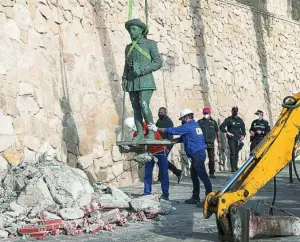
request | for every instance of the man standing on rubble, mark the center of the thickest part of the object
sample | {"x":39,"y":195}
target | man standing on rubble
{"x":234,"y":127}
{"x":210,"y":131}
{"x":258,"y":130}
{"x":160,"y":153}
{"x":194,"y":145}
{"x":164,"y":122}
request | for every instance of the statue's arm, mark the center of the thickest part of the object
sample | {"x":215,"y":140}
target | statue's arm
{"x":155,"y":60}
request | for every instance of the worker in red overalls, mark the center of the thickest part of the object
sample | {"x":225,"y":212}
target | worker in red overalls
{"x":160,"y":152}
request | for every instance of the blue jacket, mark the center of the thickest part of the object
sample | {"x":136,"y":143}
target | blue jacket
{"x":191,"y":136}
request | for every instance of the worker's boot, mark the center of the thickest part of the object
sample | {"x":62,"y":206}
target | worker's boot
{"x":192,"y":201}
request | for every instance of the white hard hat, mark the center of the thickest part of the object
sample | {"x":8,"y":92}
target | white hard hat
{"x":129,"y":123}
{"x":185,"y":112}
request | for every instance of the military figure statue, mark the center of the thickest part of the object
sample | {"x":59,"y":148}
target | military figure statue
{"x":141,"y":59}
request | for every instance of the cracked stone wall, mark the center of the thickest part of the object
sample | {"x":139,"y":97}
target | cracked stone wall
{"x":61,"y":64}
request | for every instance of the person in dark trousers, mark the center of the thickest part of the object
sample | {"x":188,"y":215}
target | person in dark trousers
{"x":258,"y":130}
{"x":164,"y":122}
{"x":234,"y":127}
{"x":210,"y":131}
{"x":194,"y":145}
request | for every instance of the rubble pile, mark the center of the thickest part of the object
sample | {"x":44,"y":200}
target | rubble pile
{"x":50,"y":198}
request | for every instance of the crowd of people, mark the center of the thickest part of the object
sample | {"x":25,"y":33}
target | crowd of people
{"x":198,"y":138}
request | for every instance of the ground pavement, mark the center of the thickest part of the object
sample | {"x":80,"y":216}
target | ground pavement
{"x":187,"y":222}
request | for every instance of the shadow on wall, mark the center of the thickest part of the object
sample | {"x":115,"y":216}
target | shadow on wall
{"x":198,"y":27}
{"x":168,"y":67}
{"x":295,"y":9}
{"x":224,"y":160}
{"x":70,"y":138}
{"x":261,"y":22}
{"x":109,"y":60}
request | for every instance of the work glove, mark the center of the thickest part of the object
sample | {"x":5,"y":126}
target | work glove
{"x":152,"y":127}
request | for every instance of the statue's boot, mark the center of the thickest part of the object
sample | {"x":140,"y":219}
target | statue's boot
{"x":139,"y":127}
{"x":151,"y":135}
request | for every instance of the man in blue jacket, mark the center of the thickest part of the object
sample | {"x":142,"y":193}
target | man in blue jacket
{"x":194,"y":145}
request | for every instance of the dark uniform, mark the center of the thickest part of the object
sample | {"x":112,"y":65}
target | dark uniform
{"x":236,"y":126}
{"x":209,"y":128}
{"x":166,"y":122}
{"x":258,"y":125}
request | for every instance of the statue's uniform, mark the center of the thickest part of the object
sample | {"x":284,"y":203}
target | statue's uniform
{"x":140,"y":88}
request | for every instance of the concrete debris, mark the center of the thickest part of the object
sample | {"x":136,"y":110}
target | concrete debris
{"x":3,"y":234}
{"x":50,"y":198}
{"x":71,"y":213}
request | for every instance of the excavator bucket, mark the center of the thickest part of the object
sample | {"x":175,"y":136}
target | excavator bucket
{"x":245,"y":225}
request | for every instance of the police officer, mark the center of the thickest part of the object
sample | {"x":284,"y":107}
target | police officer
{"x":194,"y":145}
{"x":234,"y":127}
{"x":210,"y":131}
{"x":164,"y":121}
{"x":259,"y":129}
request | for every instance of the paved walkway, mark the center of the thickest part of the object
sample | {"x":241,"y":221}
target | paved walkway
{"x":187,"y":222}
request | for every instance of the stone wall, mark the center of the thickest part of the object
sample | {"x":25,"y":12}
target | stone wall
{"x":61,"y":64}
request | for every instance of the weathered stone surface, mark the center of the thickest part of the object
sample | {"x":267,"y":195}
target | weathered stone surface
{"x":116,"y":155}
{"x":85,"y":161}
{"x":70,"y":62}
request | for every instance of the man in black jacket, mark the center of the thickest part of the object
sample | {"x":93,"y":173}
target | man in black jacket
{"x":234,"y":127}
{"x":165,"y":122}
{"x":259,"y":129}
{"x":210,"y":131}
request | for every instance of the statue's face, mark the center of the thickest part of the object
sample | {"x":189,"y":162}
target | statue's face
{"x":135,"y":32}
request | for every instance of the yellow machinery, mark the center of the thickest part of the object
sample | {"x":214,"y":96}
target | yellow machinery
{"x":272,"y":155}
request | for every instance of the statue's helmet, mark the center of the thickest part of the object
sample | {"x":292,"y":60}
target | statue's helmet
{"x":139,"y":23}
{"x":130,"y":124}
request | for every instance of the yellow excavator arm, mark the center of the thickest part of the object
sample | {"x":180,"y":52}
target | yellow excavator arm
{"x":272,"y":155}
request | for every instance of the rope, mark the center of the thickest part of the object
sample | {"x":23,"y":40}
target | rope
{"x":146,"y":13}
{"x":130,"y":9}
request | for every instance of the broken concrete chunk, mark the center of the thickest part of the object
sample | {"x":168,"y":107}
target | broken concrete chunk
{"x":36,"y":192}
{"x":146,"y":205}
{"x":119,"y":194}
{"x":3,"y":234}
{"x":71,"y":213}
{"x":108,"y":201}
{"x":111,"y":217}
{"x":166,"y":206}
{"x":66,"y":185}
{"x":16,"y":208}
{"x":5,"y":221}
{"x":85,"y":199}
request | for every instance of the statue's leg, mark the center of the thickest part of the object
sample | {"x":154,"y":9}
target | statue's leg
{"x":144,"y":100}
{"x":138,"y":118}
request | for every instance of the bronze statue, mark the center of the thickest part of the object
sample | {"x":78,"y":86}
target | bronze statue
{"x":141,"y":59}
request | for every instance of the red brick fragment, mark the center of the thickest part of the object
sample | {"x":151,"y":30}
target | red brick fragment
{"x":50,"y":221}
{"x":39,"y":235}
{"x":55,"y":232}
{"x":29,"y":230}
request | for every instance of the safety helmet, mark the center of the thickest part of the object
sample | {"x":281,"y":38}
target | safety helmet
{"x":185,"y":112}
{"x":129,"y":123}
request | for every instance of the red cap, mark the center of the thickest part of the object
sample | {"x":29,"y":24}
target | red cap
{"x":206,"y":110}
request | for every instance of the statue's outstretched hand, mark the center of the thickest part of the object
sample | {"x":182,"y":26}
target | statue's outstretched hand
{"x":152,"y":127}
